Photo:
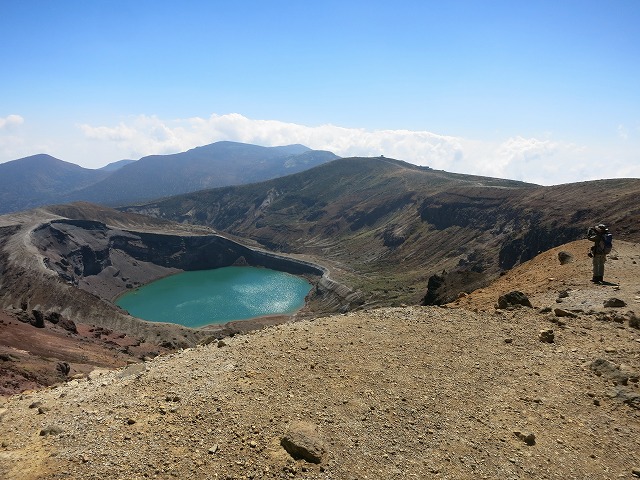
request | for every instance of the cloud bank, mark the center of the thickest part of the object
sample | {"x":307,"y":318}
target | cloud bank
{"x":545,"y":161}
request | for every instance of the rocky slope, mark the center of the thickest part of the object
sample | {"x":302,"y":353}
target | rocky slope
{"x":386,"y":226}
{"x":460,"y":392}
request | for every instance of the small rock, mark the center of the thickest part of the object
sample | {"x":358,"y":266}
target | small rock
{"x":513,"y":299}
{"x":546,"y":336}
{"x":561,"y":312}
{"x":508,"y":340}
{"x":50,"y":430}
{"x":303,"y":441}
{"x":635,"y":472}
{"x":221,"y":343}
{"x":130,"y":421}
{"x":565,"y":257}
{"x":214,"y":449}
{"x":527,"y":437}
{"x":614,"y":303}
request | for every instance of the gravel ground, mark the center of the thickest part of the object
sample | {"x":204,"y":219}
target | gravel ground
{"x":418,"y":392}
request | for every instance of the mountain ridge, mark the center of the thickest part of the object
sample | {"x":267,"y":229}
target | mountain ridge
{"x":370,"y":215}
{"x":41,"y":179}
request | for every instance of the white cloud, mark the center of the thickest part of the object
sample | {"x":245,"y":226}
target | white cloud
{"x":10,"y":121}
{"x":544,"y":160}
{"x":529,"y":159}
{"x":623,"y":133}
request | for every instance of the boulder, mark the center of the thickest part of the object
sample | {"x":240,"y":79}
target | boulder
{"x":303,"y":442}
{"x":513,"y":299}
{"x":38,"y":319}
{"x":614,"y":303}
{"x":565,"y":257}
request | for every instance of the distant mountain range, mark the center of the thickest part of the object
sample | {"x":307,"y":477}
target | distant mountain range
{"x":42,"y":179}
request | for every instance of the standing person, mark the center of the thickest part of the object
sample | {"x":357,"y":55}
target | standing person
{"x":602,"y":245}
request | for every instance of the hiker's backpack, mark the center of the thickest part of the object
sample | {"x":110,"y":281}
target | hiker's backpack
{"x":608,"y":242}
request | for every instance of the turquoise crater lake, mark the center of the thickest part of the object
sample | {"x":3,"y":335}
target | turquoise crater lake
{"x":204,"y":297}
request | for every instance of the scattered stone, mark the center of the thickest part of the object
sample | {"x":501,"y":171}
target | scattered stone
{"x":51,"y":430}
{"x":561,"y":312}
{"x":512,"y":299}
{"x":214,"y":449}
{"x":303,"y":441}
{"x":221,"y":343}
{"x":563,"y":294}
{"x":508,"y":340}
{"x":635,"y":472}
{"x":130,"y":421}
{"x":527,"y":437}
{"x":564,"y":257}
{"x":546,"y":336}
{"x":634,"y":320}
{"x":614,"y":303}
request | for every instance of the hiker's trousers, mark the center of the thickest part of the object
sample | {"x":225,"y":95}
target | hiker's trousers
{"x":598,"y":265}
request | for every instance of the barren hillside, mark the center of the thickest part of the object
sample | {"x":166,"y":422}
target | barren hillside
{"x":460,"y":392}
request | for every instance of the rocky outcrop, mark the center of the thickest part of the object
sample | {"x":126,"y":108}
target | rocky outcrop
{"x":447,"y":286}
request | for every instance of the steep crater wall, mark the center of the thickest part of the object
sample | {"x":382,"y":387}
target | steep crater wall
{"x":107,"y":262}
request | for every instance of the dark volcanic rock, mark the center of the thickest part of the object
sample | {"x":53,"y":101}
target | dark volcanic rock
{"x":565,"y":257}
{"x":513,"y":299}
{"x":614,"y":303}
{"x":38,"y":319}
{"x":446,"y":287}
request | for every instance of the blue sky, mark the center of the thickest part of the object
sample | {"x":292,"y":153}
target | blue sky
{"x":541,"y":91}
